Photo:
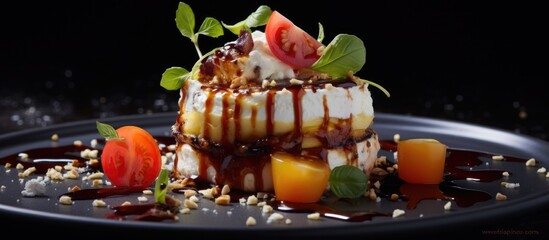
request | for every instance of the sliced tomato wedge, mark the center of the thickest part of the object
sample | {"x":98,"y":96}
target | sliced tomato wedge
{"x":289,"y":43}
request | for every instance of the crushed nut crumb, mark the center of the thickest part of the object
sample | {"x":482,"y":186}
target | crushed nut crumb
{"x":7,"y":166}
{"x":223,"y":200}
{"x":275,"y":217}
{"x":261,"y":204}
{"x":225,"y":190}
{"x":394,"y":197}
{"x":190,"y":204}
{"x":288,"y":221}
{"x":3,"y":187}
{"x":267,"y":209}
{"x":194,"y":199}
{"x":75,"y":188}
{"x":497,"y":158}
{"x":142,"y":199}
{"x":24,"y":157}
{"x":313,"y":216}
{"x":531,"y":162}
{"x":96,"y":175}
{"x":185,"y":211}
{"x":542,"y":170}
{"x":398,"y":213}
{"x":252,"y":200}
{"x":65,"y":200}
{"x":448,"y":206}
{"x":396,"y":138}
{"x":97,"y":182}
{"x":126,"y":203}
{"x":251,"y":221}
{"x":19,"y":166}
{"x":55,"y":137}
{"x":99,"y":203}
{"x":500,"y":197}
{"x":148,"y":192}
{"x":77,"y":143}
{"x":189,"y":193}
{"x":505,"y":174}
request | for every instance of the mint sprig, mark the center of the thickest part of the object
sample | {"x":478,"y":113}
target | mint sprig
{"x":256,"y":19}
{"x":185,"y":21}
{"x":107,"y":131}
{"x":174,"y":78}
{"x":348,"y":182}
{"x":161,"y":186}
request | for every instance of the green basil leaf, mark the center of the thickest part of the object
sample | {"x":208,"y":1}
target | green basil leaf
{"x":348,"y":181}
{"x":210,"y":27}
{"x":161,"y":186}
{"x":174,"y":78}
{"x":184,"y":19}
{"x":320,"y":33}
{"x":256,"y":19}
{"x":107,"y":131}
{"x":260,"y":17}
{"x":345,"y":53}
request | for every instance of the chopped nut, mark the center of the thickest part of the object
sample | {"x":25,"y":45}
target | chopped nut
{"x":97,"y":182}
{"x":251,"y":221}
{"x":22,"y":156}
{"x":394,"y":197}
{"x":288,"y":221}
{"x":531,"y":162}
{"x":505,"y":174}
{"x":547,"y":175}
{"x":223,"y":200}
{"x":7,"y":166}
{"x":77,"y":143}
{"x":225,"y":190}
{"x":185,"y":211}
{"x":252,"y":200}
{"x":262,"y":204}
{"x":372,"y":194}
{"x":501,"y":197}
{"x":267,"y":209}
{"x":503,"y":184}
{"x":294,"y":81}
{"x":542,"y":170}
{"x":27,"y":172}
{"x":377,"y":184}
{"x":2,"y":187}
{"x":190,"y":204}
{"x":275,"y":217}
{"x":273,"y":83}
{"x":65,"y":200}
{"x":19,"y":166}
{"x":58,"y":168}
{"x":448,"y":206}
{"x":265,"y":83}
{"x":54,"y":174}
{"x":194,"y":199}
{"x":148,"y":192}
{"x":55,"y":137}
{"x":497,"y":158}
{"x":398,"y":213}
{"x":99,"y":203}
{"x":189,"y":193}
{"x":396,"y":137}
{"x":75,"y":188}
{"x":142,"y":199}
{"x":96,"y":175}
{"x":207,"y":193}
{"x":72,"y":174}
{"x":93,"y":143}
{"x":126,"y":203}
{"x":93,"y":153}
{"x":313,"y":216}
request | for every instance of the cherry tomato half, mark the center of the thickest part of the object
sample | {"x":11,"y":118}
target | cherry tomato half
{"x":133,"y":161}
{"x":289,"y":43}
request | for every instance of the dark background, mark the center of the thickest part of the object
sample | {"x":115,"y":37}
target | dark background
{"x":476,"y":62}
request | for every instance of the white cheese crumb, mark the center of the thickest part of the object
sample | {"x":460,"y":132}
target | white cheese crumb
{"x":448,"y":206}
{"x":142,"y":199}
{"x":242,"y":201}
{"x":512,"y":185}
{"x":147,"y":192}
{"x":542,"y":170}
{"x":65,"y":200}
{"x":99,"y":203}
{"x":34,"y":187}
{"x":398,"y":213}
{"x":93,"y":143}
{"x":497,"y":158}
{"x":251,"y":221}
{"x":313,"y":216}
{"x":531,"y":162}
{"x":275,"y":217}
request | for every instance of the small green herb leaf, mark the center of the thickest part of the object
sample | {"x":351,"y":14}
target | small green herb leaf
{"x":345,"y":53}
{"x":107,"y":131}
{"x":320,"y":33}
{"x":378,"y":87}
{"x":174,"y":78}
{"x":210,"y":27}
{"x":348,"y":181}
{"x":256,"y":19}
{"x":184,"y":19}
{"x":161,"y":186}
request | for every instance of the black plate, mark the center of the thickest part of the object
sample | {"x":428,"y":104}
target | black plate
{"x":428,"y":217}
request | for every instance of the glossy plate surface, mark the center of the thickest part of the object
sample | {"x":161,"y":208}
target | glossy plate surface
{"x":211,"y":219}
